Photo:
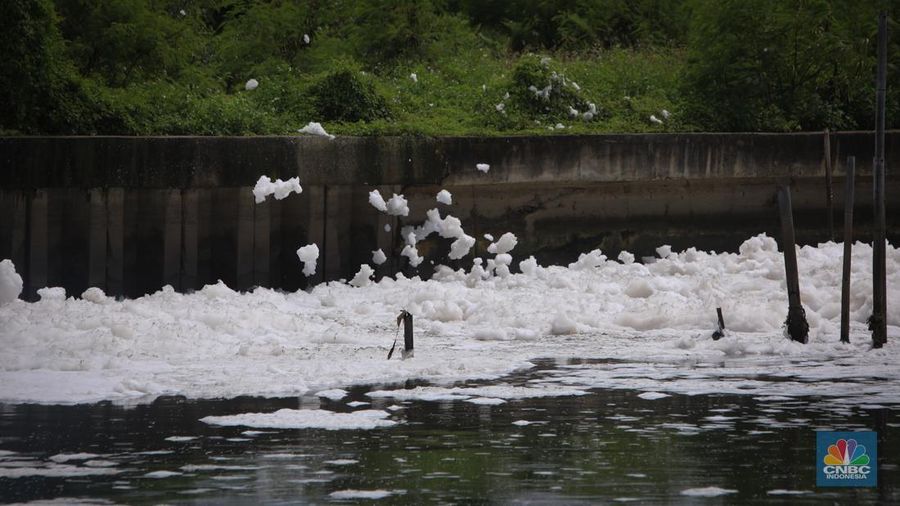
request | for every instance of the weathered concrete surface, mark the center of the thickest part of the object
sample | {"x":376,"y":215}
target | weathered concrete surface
{"x":209,"y":162}
{"x":132,"y":214}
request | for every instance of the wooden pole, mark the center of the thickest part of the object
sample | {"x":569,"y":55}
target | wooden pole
{"x":848,"y":247}
{"x":829,"y":189}
{"x":878,"y":321}
{"x":407,"y":335}
{"x":720,"y":331}
{"x":407,"y":319}
{"x":797,"y":327}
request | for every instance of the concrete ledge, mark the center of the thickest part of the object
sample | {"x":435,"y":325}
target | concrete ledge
{"x":206,"y":162}
{"x":131,"y":215}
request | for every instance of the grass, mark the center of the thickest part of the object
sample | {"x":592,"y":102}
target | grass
{"x":459,"y":95}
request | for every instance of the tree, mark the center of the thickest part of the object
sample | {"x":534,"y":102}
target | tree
{"x":40,"y":91}
{"x":779,"y":65}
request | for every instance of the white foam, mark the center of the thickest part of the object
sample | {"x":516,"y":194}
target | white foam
{"x":308,"y":254}
{"x":279,"y":189}
{"x":159,"y":475}
{"x":305,"y":419}
{"x":271,"y":343}
{"x":445,"y":197}
{"x":314,"y":128}
{"x":334,"y":394}
{"x":95,"y":295}
{"x":57,"y":293}
{"x":66,"y":457}
{"x":341,"y":462}
{"x":486,"y":401}
{"x":707,"y":492}
{"x":377,"y":201}
{"x":397,"y":206}
{"x":55,"y":471}
{"x":10,"y":282}
{"x":364,"y":494}
{"x":363,"y":277}
{"x":505,"y":244}
{"x":501,"y":391}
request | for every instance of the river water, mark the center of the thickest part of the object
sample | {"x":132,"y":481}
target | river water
{"x":605,"y":447}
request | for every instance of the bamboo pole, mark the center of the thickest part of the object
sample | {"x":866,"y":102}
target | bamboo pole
{"x":848,"y":247}
{"x":878,"y":321}
{"x":829,"y":188}
{"x":797,"y":327}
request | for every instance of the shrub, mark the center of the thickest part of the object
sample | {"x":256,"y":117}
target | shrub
{"x":388,"y":29}
{"x":536,"y":94}
{"x":343,"y":96}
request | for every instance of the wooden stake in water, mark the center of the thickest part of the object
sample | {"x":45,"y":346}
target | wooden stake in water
{"x":407,"y":334}
{"x":829,"y":187}
{"x":848,"y":247}
{"x":720,"y":331}
{"x":406,"y":318}
{"x":878,"y":320}
{"x":797,"y":327}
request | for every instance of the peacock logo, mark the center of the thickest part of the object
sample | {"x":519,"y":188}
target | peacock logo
{"x":846,"y":452}
{"x":846,"y":459}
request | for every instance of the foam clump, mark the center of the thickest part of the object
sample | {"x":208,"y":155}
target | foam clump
{"x":363,"y":277}
{"x":218,"y":291}
{"x":279,"y":189}
{"x":448,"y":227}
{"x":529,"y":266}
{"x":563,"y":325}
{"x":588,"y":260}
{"x":305,"y":419}
{"x":758,"y":245}
{"x":505,"y":244}
{"x":314,"y":128}
{"x":409,"y":251}
{"x":396,"y":206}
{"x":95,"y":295}
{"x":52,"y":293}
{"x":639,"y":289}
{"x":308,"y":254}
{"x":377,"y":201}
{"x":10,"y":282}
{"x":445,"y":197}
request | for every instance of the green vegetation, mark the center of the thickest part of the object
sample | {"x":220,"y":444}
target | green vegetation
{"x":481,"y":67}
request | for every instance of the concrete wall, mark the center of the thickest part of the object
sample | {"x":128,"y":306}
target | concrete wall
{"x":132,"y":214}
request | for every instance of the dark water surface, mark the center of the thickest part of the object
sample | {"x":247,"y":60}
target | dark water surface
{"x":605,"y":447}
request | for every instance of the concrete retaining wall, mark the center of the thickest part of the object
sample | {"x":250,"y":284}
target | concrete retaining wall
{"x":132,"y":214}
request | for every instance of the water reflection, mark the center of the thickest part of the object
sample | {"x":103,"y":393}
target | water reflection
{"x":605,"y":446}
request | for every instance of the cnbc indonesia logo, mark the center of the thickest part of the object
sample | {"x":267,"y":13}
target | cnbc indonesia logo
{"x":844,"y":460}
